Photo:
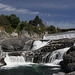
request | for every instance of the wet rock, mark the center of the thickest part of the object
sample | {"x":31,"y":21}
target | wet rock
{"x":68,"y":63}
{"x":2,"y":56}
{"x":2,"y":62}
{"x":71,"y":73}
{"x":60,"y":73}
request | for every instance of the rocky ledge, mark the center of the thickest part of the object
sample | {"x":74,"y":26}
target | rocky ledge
{"x":17,"y":44}
{"x":68,"y":63}
{"x":43,"y":54}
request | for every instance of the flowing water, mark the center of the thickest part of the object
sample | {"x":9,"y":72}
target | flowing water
{"x":38,"y":44}
{"x":19,"y":65}
{"x":16,"y":65}
{"x":59,"y":36}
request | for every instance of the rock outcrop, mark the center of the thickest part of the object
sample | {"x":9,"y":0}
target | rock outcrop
{"x":43,"y":54}
{"x":16,"y":44}
{"x":2,"y":56}
{"x":68,"y":63}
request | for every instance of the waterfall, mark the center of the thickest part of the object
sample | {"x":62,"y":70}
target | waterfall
{"x":54,"y":58}
{"x":49,"y":58}
{"x":57,"y":56}
{"x":14,"y":60}
{"x":38,"y":44}
{"x":59,"y":36}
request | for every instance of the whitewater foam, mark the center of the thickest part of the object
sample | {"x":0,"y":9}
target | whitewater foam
{"x":57,"y":56}
{"x":38,"y":44}
{"x":59,"y":36}
{"x":54,"y":60}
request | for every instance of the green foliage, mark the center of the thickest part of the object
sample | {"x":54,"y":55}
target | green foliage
{"x":51,"y":29}
{"x":9,"y":29}
{"x":37,"y":21}
{"x":59,"y":30}
{"x":24,"y":25}
{"x":18,"y":29}
{"x":21,"y":26}
{"x":14,"y":20}
{"x":31,"y":22}
{"x":42,"y":26}
{"x":3,"y":21}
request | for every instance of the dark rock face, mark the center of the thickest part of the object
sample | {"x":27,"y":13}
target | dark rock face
{"x":16,"y":44}
{"x":2,"y":56}
{"x":43,"y":54}
{"x":68,"y":63}
{"x":2,"y":62}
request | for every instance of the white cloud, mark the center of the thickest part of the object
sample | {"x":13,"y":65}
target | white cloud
{"x":9,"y":8}
{"x":62,"y":24}
{"x":67,"y":4}
{"x":3,"y":6}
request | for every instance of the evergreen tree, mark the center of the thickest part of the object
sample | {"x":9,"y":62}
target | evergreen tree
{"x":14,"y":20}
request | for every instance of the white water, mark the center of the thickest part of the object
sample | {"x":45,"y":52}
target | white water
{"x":13,"y":61}
{"x":57,"y":56}
{"x":59,"y":36}
{"x":38,"y":44}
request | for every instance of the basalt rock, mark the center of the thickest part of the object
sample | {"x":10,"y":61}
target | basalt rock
{"x":16,"y":44}
{"x":42,"y":55}
{"x":68,"y":63}
{"x":2,"y":62}
{"x":2,"y":56}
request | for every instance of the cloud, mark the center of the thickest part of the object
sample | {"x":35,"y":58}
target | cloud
{"x":9,"y":8}
{"x":51,"y":4}
{"x":62,"y":24}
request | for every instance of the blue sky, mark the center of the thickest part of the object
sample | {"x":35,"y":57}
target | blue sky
{"x":60,"y":13}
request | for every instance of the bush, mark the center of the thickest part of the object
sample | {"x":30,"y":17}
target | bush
{"x":9,"y":29}
{"x":51,"y":29}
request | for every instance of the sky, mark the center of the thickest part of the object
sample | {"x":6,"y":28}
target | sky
{"x":60,"y":13}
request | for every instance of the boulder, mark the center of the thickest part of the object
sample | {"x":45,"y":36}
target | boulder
{"x":17,"y":44}
{"x":68,"y":63}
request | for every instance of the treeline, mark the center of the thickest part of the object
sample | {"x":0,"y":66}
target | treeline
{"x":12,"y":23}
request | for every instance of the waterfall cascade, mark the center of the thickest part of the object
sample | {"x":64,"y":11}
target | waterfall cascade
{"x":38,"y":44}
{"x":14,"y":60}
{"x":59,"y":36}
{"x":54,"y":58}
{"x":57,"y":56}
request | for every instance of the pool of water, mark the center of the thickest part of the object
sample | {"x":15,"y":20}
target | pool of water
{"x":30,"y":70}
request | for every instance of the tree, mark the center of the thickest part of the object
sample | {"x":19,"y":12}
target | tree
{"x":37,"y":21}
{"x":14,"y":20}
{"x":3,"y":21}
{"x":31,"y":22}
{"x":42,"y":26}
{"x":51,"y":29}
